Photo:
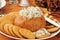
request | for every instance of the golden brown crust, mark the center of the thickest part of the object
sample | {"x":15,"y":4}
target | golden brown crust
{"x":53,"y":29}
{"x":10,"y":28}
{"x":6,"y":29}
{"x":43,"y":36}
{"x":50,"y":26}
{"x":27,"y":33}
{"x":9,"y":18}
{"x":33,"y":24}
{"x":16,"y":31}
{"x":3,"y":23}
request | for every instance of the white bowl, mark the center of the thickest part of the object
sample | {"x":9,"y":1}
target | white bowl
{"x":2,"y":3}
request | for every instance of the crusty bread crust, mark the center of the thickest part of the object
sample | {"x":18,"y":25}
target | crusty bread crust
{"x":33,"y":24}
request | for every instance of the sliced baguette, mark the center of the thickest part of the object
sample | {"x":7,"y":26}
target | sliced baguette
{"x":50,"y":26}
{"x":27,"y":33}
{"x":6,"y":29}
{"x":2,"y":24}
{"x":11,"y":29}
{"x":16,"y":31}
{"x":53,"y":29}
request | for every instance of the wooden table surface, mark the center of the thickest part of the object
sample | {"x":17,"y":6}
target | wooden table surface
{"x":15,"y":8}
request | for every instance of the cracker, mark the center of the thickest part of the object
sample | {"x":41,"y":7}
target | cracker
{"x":3,"y":23}
{"x":6,"y":29}
{"x":53,"y":29}
{"x":16,"y":31}
{"x":11,"y":30}
{"x":27,"y":33}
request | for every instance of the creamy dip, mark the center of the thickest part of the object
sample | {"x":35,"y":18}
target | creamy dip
{"x":41,"y":32}
{"x":30,"y":12}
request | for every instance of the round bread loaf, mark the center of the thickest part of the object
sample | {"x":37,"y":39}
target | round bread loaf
{"x":30,"y":22}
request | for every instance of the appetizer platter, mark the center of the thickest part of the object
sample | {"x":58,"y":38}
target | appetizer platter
{"x":28,"y":23}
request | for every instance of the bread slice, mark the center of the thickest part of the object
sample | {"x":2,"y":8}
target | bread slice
{"x":27,"y":33}
{"x":53,"y":29}
{"x":16,"y":31}
{"x":6,"y":29}
{"x":42,"y":33}
{"x":3,"y":23}
{"x":2,"y":27}
{"x":11,"y":29}
{"x":49,"y":26}
{"x":8,"y":18}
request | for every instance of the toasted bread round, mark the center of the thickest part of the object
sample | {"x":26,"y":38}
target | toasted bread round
{"x":53,"y":29}
{"x":50,"y":26}
{"x":2,"y":26}
{"x":3,"y":23}
{"x":11,"y":16}
{"x":27,"y":33}
{"x":43,"y":36}
{"x":6,"y":29}
{"x":11,"y":30}
{"x":16,"y":31}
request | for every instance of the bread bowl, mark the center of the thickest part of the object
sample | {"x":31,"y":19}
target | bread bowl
{"x":30,"y":18}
